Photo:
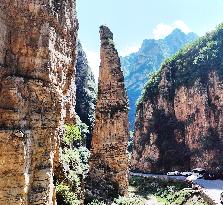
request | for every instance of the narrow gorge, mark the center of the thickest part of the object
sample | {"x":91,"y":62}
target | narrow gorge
{"x":64,"y":140}
{"x":47,"y":105}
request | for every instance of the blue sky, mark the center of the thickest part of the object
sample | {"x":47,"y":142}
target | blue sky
{"x":132,"y":21}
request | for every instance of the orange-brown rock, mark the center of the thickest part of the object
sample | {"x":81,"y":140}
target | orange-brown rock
{"x":37,"y":95}
{"x":108,"y":175}
{"x":179,"y":119}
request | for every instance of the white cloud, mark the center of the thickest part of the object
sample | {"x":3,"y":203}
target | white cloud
{"x":182,"y":25}
{"x":162,"y":30}
{"x":128,"y":50}
{"x":94,"y":62}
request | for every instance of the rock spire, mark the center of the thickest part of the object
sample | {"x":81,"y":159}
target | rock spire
{"x":108,"y":176}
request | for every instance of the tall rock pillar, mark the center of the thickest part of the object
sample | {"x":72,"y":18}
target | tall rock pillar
{"x":108,"y":175}
{"x":37,"y":95}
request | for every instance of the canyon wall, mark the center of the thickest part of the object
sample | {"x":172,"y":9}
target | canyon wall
{"x":37,"y":95}
{"x":108,"y":175}
{"x":179,"y":118}
{"x":86,"y":92}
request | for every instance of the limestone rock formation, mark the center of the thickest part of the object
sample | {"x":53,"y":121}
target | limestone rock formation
{"x":86,"y":92}
{"x":108,"y":175}
{"x":179,"y":119}
{"x":37,"y":95}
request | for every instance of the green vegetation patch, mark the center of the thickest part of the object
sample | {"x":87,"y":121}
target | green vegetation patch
{"x":74,"y":158}
{"x":166,"y":191}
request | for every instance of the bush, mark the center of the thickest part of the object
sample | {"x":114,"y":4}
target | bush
{"x":75,"y":163}
{"x":168,"y":191}
{"x":68,"y":196}
{"x":72,"y":133}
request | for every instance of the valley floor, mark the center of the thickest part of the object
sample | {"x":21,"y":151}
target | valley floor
{"x":155,"y":191}
{"x":211,"y":188}
{"x":152,"y":190}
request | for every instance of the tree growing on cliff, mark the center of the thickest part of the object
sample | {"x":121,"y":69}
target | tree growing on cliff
{"x":74,"y":157}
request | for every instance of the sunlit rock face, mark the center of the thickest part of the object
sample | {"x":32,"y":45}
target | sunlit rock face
{"x":37,"y":95}
{"x":179,"y":119}
{"x":108,"y":175}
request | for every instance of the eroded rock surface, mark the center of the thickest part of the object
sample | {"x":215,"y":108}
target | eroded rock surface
{"x":108,"y":175}
{"x":37,"y":95}
{"x":86,"y":92}
{"x":179,"y":119}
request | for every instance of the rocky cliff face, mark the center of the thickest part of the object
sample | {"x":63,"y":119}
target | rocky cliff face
{"x":86,"y":92}
{"x":37,"y":95}
{"x":108,"y":175}
{"x":138,"y":66}
{"x":179,"y":119}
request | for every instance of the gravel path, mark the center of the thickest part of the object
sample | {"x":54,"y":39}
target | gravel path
{"x":211,"y":188}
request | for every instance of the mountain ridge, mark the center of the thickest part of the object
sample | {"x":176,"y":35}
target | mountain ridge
{"x":139,"y":65}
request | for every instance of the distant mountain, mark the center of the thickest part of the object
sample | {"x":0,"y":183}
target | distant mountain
{"x":138,"y":66}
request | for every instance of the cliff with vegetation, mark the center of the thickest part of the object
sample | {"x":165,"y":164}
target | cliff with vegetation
{"x":86,"y":92}
{"x":37,"y":95}
{"x":139,"y":66}
{"x":179,"y":117}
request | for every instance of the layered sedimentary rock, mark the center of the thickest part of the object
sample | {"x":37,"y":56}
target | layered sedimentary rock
{"x":179,"y":119}
{"x":108,"y":175}
{"x":37,"y":95}
{"x":86,"y":92}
